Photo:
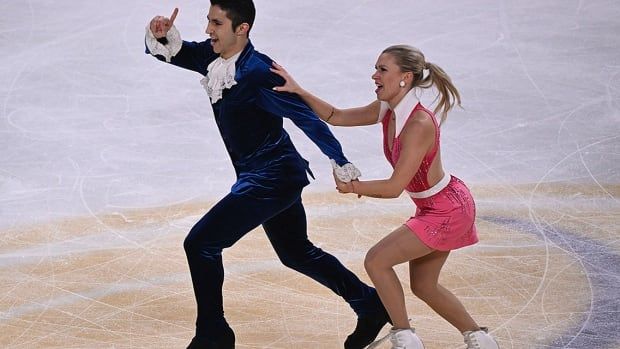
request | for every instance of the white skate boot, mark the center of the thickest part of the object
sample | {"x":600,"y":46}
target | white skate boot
{"x":480,"y":339}
{"x":405,"y":339}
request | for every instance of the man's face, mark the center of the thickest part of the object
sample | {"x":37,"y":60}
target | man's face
{"x":223,"y":38}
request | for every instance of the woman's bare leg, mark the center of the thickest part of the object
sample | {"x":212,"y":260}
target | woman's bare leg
{"x":398,"y":247}
{"x":424,"y":276}
{"x":425,"y":265}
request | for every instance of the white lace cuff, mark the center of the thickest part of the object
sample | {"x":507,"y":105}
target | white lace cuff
{"x":168,"y":50}
{"x":347,"y":172}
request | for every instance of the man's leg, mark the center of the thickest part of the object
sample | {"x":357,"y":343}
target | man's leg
{"x":226,"y":222}
{"x":288,"y":235}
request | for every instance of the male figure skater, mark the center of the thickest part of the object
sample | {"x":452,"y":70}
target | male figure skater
{"x":270,"y":172}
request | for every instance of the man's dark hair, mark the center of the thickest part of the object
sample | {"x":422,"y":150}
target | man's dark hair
{"x":238,"y":11}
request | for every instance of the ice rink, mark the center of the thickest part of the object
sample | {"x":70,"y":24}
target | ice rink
{"x":108,"y":157}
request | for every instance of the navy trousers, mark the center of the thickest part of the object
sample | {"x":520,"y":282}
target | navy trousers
{"x":283,"y":218}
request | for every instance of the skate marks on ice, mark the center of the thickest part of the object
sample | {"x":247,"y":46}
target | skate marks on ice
{"x":545,"y":275}
{"x":597,"y":325}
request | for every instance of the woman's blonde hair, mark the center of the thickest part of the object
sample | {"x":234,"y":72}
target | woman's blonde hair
{"x":411,"y":59}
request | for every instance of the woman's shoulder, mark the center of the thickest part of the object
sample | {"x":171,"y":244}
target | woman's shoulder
{"x":421,"y":122}
{"x":423,"y":114}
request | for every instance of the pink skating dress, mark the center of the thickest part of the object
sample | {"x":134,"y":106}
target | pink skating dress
{"x":445,"y":214}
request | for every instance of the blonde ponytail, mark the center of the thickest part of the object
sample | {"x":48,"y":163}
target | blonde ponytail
{"x":411,"y":59}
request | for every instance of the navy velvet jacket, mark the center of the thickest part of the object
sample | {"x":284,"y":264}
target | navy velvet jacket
{"x":249,"y":118}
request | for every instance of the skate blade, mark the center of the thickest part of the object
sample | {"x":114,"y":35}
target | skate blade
{"x":378,"y":342}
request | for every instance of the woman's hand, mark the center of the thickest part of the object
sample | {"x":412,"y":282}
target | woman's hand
{"x":345,"y":187}
{"x":290,"y":85}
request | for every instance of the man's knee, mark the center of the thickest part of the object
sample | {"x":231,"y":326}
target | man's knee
{"x":191,"y":241}
{"x":197,"y":242}
{"x":297,"y":259}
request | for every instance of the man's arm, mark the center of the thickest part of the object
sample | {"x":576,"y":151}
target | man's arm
{"x":359,"y":116}
{"x":192,"y":55}
{"x":292,"y":107}
{"x":163,"y":41}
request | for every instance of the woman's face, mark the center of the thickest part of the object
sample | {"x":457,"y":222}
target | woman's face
{"x":387,"y":78}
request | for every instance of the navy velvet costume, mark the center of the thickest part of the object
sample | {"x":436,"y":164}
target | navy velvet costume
{"x":271,"y":175}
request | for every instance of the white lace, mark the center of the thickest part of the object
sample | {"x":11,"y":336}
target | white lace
{"x":220,"y":76}
{"x":347,"y":172}
{"x":168,"y":50}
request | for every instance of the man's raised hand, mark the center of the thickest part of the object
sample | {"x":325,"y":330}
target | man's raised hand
{"x":160,"y":25}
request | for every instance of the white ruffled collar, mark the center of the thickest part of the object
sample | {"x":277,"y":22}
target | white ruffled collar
{"x":402,"y":110}
{"x":220,"y":76}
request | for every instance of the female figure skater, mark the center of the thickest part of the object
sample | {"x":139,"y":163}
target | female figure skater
{"x":444,"y":218}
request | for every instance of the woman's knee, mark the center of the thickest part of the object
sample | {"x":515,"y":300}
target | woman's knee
{"x":423,"y":291}
{"x":373,"y":260}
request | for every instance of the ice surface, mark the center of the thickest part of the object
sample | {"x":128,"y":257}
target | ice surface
{"x":92,"y":128}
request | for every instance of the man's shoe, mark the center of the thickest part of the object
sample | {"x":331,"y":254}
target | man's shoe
{"x":366,"y":331}
{"x":226,"y":340}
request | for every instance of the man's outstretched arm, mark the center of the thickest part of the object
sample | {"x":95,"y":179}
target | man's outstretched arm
{"x":163,"y":41}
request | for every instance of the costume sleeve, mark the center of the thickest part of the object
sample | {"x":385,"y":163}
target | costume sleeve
{"x":191,"y":55}
{"x":292,"y":107}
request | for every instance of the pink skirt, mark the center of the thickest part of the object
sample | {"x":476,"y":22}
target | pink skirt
{"x":445,"y":221}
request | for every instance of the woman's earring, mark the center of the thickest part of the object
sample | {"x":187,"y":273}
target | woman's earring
{"x":401,"y":83}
